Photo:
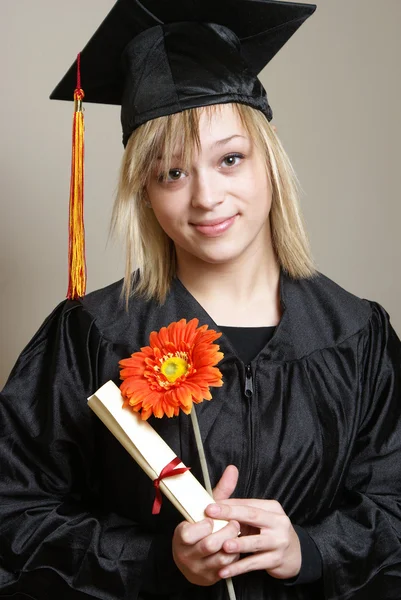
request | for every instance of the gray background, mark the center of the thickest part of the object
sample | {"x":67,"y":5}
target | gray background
{"x":335,"y":93}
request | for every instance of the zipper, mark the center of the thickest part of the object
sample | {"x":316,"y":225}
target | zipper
{"x":248,"y":382}
{"x":249,"y":390}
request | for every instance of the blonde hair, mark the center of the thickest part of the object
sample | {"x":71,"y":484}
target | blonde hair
{"x":148,"y":247}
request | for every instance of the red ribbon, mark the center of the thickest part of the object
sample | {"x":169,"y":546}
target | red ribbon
{"x":168,"y":471}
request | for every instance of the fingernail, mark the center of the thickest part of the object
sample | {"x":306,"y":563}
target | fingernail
{"x":213,"y":509}
{"x":231,"y":546}
{"x":224,"y":573}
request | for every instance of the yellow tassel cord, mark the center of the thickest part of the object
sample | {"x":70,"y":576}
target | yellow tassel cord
{"x":76,"y":254}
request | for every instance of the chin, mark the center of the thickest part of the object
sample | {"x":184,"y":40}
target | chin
{"x":216,"y":257}
{"x":213,"y":251}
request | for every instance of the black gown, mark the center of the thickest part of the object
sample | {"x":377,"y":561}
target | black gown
{"x":248,"y":342}
{"x":320,"y":433}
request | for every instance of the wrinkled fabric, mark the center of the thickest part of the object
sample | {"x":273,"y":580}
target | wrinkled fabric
{"x":166,"y":73}
{"x":321,"y":434}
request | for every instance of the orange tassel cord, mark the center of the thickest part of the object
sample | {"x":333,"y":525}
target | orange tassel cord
{"x":76,"y":250}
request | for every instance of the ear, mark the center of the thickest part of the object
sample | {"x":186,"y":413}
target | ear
{"x":146,"y":198}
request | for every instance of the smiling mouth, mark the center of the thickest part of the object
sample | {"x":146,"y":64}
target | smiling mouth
{"x":211,"y":223}
{"x":217,"y":227}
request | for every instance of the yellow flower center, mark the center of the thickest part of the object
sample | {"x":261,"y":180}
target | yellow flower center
{"x":174,"y":367}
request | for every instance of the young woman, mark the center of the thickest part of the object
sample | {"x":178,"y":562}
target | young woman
{"x":303,"y":440}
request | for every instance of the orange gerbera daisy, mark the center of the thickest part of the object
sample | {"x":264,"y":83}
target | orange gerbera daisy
{"x":175,"y":370}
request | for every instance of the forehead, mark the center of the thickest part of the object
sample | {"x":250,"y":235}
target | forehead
{"x":219,"y":122}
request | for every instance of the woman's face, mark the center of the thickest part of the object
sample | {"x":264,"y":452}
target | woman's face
{"x":226,"y":184}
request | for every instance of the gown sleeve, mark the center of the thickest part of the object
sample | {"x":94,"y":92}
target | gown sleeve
{"x":52,"y":538}
{"x":360,"y":540}
{"x":311,"y":564}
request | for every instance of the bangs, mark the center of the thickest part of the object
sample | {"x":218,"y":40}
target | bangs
{"x":171,"y":141}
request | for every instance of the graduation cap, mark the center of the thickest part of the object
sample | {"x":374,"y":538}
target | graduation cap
{"x":159,"y":57}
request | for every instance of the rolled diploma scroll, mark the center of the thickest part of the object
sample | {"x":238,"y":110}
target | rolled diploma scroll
{"x":151,"y":453}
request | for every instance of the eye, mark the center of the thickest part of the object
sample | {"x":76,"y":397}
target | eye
{"x":231,"y":160}
{"x":173,"y":175}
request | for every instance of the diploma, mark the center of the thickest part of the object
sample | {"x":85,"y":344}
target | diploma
{"x":151,"y":453}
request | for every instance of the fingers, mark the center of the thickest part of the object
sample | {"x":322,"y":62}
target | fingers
{"x":200,"y":538}
{"x":254,"y":562}
{"x":227,"y":483}
{"x":250,"y":515}
{"x":213,"y":543}
{"x":269,"y":505}
{"x":248,"y":544}
{"x":191,"y":533}
{"x":219,"y":561}
{"x":198,"y":552}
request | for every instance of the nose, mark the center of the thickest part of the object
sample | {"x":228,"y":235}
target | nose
{"x":205,"y":192}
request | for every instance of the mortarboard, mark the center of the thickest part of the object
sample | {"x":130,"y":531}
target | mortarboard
{"x":159,"y":57}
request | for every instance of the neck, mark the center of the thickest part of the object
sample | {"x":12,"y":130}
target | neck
{"x":243,"y":291}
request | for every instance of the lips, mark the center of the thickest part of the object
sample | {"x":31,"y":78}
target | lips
{"x":215,"y":227}
{"x":213,"y":222}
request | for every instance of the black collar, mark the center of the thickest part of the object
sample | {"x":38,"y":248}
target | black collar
{"x":316,"y":313}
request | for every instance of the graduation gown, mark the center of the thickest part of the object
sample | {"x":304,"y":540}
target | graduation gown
{"x":319,"y":430}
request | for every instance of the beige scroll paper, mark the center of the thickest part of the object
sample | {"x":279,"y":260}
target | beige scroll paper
{"x":151,"y":453}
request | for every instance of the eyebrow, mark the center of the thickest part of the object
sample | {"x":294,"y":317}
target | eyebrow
{"x":218,"y":143}
{"x":228,"y":139}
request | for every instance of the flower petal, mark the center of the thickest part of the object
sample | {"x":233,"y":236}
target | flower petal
{"x":184,"y":396}
{"x":146,"y":387}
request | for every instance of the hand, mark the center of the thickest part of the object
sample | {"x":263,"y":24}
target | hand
{"x":198,"y":552}
{"x":266,"y":534}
